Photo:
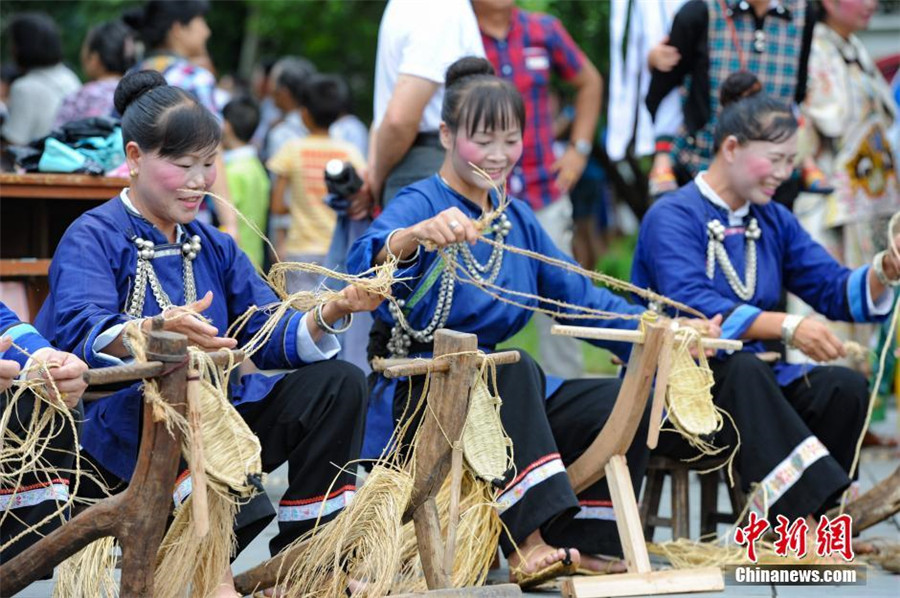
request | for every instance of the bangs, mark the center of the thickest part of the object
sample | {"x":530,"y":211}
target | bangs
{"x":779,"y":128}
{"x":497,"y":106}
{"x":188,"y":128}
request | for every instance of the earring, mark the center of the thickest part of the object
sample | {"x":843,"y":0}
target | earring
{"x":133,"y":172}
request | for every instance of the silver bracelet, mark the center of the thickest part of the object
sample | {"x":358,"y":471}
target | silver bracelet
{"x":320,"y":322}
{"x":878,"y":266}
{"x":789,"y":326}
{"x":404,"y":261}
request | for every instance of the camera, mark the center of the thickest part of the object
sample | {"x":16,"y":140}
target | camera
{"x":342,"y":182}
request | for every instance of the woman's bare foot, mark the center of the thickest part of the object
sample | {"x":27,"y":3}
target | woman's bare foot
{"x":601,"y":564}
{"x":534,"y":555}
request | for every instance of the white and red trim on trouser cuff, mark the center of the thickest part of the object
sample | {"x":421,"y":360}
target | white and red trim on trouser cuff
{"x":319,"y":506}
{"x":786,"y":474}
{"x":533,"y":475}
{"x":28,"y":496}
{"x":596,"y":509}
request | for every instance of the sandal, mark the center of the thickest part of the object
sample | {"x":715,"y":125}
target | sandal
{"x":526,"y":579}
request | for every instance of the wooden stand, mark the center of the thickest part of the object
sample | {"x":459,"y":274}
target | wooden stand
{"x":605,"y":457}
{"x":137,"y":516}
{"x":453,"y":368}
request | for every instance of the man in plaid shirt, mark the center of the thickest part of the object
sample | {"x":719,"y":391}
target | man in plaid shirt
{"x":526,"y":48}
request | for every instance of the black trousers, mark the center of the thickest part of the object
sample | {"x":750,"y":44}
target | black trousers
{"x":314,"y":419}
{"x":797,"y":441}
{"x":547,"y":435}
{"x":36,"y":496}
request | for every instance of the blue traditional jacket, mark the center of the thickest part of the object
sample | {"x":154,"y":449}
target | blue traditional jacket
{"x":671,"y":259}
{"x":473,"y":310}
{"x":91,"y":277}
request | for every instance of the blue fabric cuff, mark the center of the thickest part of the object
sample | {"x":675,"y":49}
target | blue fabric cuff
{"x":88,"y":353}
{"x":26,"y":337}
{"x":739,"y":320}
{"x":858,"y":294}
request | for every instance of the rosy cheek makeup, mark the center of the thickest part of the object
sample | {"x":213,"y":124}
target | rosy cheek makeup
{"x":469,"y":151}
{"x":169,"y":176}
{"x":758,"y":167}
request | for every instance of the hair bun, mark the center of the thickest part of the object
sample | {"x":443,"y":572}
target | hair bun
{"x":468,"y":66}
{"x":134,"y":85}
{"x":737,"y":86}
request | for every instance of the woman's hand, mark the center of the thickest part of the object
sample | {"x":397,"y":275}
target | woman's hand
{"x":9,"y":369}
{"x":707,"y":328}
{"x":353,"y":299}
{"x":200,"y":334}
{"x":449,"y":227}
{"x":817,"y":341}
{"x":66,"y":374}
{"x":663,"y":57}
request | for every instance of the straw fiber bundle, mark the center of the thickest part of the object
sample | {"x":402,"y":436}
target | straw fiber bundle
{"x":363,"y":543}
{"x":478,"y":534}
{"x":89,"y":572}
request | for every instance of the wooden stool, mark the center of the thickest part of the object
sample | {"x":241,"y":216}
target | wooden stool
{"x":657,"y":470}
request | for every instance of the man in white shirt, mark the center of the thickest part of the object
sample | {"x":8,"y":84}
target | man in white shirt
{"x":417,"y":41}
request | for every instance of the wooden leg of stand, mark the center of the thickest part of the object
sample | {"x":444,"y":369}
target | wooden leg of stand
{"x":628,"y":521}
{"x":431,"y":551}
{"x":456,"y":471}
{"x":150,"y":490}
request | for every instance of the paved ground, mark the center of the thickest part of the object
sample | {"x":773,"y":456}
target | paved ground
{"x":876,"y":465}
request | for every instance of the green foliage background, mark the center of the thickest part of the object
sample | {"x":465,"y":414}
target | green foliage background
{"x":337,"y":35}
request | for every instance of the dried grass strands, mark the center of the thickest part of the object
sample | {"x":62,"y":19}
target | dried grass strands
{"x":363,"y":543}
{"x":376,"y":280}
{"x":89,"y":572}
{"x":477,"y":536}
{"x":191,"y":565}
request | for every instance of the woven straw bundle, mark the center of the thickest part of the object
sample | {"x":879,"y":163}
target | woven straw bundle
{"x":689,"y":397}
{"x":487,"y":448}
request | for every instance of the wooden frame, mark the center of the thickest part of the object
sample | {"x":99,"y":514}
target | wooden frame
{"x":454,"y":367}
{"x":137,"y":516}
{"x":605,"y":457}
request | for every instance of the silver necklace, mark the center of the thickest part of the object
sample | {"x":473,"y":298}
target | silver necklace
{"x":715,"y":252}
{"x":403,"y":334}
{"x":145,"y":274}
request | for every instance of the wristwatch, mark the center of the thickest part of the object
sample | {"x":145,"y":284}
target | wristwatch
{"x":583,"y":147}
